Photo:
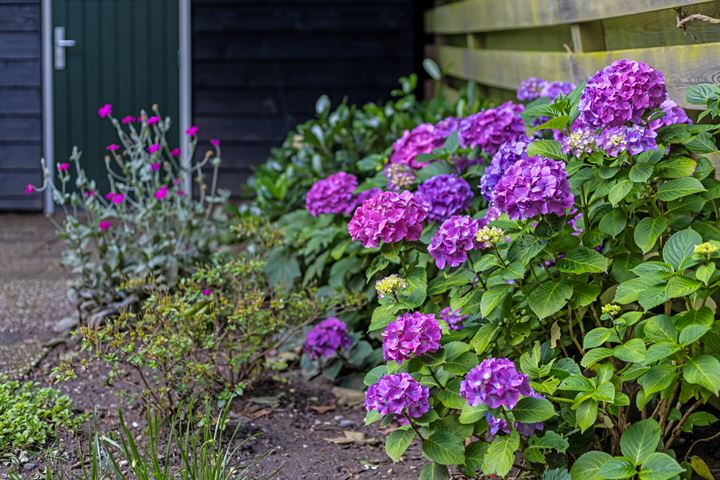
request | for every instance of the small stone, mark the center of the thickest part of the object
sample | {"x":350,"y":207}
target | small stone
{"x":346,"y":423}
{"x":66,"y":324}
{"x":29,"y":466}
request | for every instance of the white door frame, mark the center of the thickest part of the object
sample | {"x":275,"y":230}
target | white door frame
{"x":185,"y":100}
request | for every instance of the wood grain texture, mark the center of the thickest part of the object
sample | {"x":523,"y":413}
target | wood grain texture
{"x":683,"y":65}
{"x":492,"y":15}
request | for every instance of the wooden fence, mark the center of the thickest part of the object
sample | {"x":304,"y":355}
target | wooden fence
{"x":499,"y":43}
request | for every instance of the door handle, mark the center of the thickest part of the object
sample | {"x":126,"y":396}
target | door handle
{"x":61,"y":43}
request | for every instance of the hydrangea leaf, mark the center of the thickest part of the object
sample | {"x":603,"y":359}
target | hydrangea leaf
{"x":616,"y":468}
{"x":658,"y":378}
{"x":538,"y":446}
{"x":549,"y":297}
{"x":500,"y":455}
{"x":470,"y":414}
{"x":678,"y":188}
{"x":619,"y":191}
{"x":444,"y":448}
{"x":586,"y":414}
{"x":648,"y":230}
{"x":678,"y":250}
{"x":398,"y":441}
{"x":703,"y":370}
{"x":374,"y":375}
{"x":613,"y":222}
{"x":659,"y":466}
{"x":533,"y":410}
{"x":434,"y":471}
{"x":640,"y":440}
{"x":483,"y":337}
{"x":492,"y":298}
{"x":587,"y":467}
{"x":583,"y":260}
{"x":546,"y":148}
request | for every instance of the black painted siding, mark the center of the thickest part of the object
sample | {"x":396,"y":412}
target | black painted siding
{"x":20,"y":114}
{"x":260,"y":65}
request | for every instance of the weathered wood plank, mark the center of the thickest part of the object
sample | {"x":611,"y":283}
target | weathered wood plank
{"x":683,"y":65}
{"x":492,"y":15}
{"x":16,"y":18}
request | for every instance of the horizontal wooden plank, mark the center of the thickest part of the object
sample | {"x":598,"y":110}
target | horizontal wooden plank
{"x":19,"y":73}
{"x":12,"y":183}
{"x":257,"y":129}
{"x":25,"y":45}
{"x":9,"y":203}
{"x":25,"y":100}
{"x":20,"y":155}
{"x":16,"y":18}
{"x":20,"y":128}
{"x":683,"y":65}
{"x":493,"y":15}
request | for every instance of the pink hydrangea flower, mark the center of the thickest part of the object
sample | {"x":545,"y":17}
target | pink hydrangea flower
{"x":29,"y":188}
{"x":192,"y":131}
{"x":175,"y":152}
{"x":104,"y":225}
{"x":153,"y":148}
{"x":422,"y":139}
{"x":112,"y":147}
{"x":128,"y":119}
{"x":155,"y":166}
{"x":162,"y":192}
{"x":387,"y":216}
{"x":411,"y":335}
{"x":63,"y":166}
{"x":453,"y":240}
{"x":105,"y":110}
{"x":333,"y":194}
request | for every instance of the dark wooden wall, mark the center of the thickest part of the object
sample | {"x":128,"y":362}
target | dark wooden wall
{"x":260,"y":65}
{"x":20,"y":117}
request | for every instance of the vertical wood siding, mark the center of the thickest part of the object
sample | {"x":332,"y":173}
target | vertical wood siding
{"x":260,"y":65}
{"x":20,"y":114}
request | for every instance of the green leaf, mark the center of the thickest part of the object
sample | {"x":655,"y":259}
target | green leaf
{"x":676,"y":167}
{"x":596,"y":337}
{"x":701,"y":93}
{"x":538,"y":446}
{"x":640,"y":440}
{"x":678,"y":188}
{"x":681,"y":287}
{"x":434,"y":471}
{"x":658,"y":378}
{"x":483,"y":337}
{"x":640,"y":172}
{"x":659,"y":466}
{"x":660,"y":329}
{"x":586,"y":414}
{"x":415,"y":293}
{"x":374,"y":375}
{"x":702,"y":143}
{"x":432,"y":69}
{"x":556,"y":474}
{"x":378,"y":264}
{"x":433,"y":170}
{"x":533,"y":410}
{"x":500,"y":455}
{"x":548,"y":298}
{"x":469,"y":414}
{"x":444,"y":448}
{"x":372,"y":416}
{"x":613,"y":222}
{"x":595,"y":355}
{"x":632,"y":351}
{"x":462,"y":364}
{"x":557,"y":123}
{"x":678,"y":251}
{"x":398,"y":441}
{"x":583,"y":260}
{"x":525,"y":248}
{"x":587,"y":467}
{"x":698,"y":419}
{"x":444,"y":281}
{"x":703,"y":370}
{"x":474,"y":454}
{"x":545,"y":148}
{"x":647,"y":231}
{"x":281,"y":268}
{"x":619,"y":191}
{"x":618,"y":467}
{"x":492,"y":298}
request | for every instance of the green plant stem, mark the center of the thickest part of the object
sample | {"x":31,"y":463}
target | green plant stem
{"x":432,"y":374}
{"x":414,"y":427}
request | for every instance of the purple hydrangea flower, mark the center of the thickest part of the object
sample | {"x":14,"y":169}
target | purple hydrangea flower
{"x":444,"y":195}
{"x":551,"y":90}
{"x":411,"y":335}
{"x":508,"y":153}
{"x":492,"y":127}
{"x":447,"y":126}
{"x":399,"y":394}
{"x":326,"y":338}
{"x":495,"y":382}
{"x":360,"y":198}
{"x":634,"y":140}
{"x":621,"y":92}
{"x":422,"y":139}
{"x":531,"y":88}
{"x":673,"y":114}
{"x":496,"y":425}
{"x":399,"y":176}
{"x":387,"y":216}
{"x":580,"y":141}
{"x":332,"y":194}
{"x":454,"y":318}
{"x":453,"y":240}
{"x":532,"y":187}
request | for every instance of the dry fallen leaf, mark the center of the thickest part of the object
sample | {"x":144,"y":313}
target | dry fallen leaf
{"x":263,"y":412}
{"x":323,"y":408}
{"x":350,"y":437}
{"x":348,"y":397}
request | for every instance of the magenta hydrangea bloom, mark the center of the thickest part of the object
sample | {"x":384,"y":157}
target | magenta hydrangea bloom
{"x":532,"y":187}
{"x":333,"y":194}
{"x":673,"y":114}
{"x":634,"y":140}
{"x":551,"y":90}
{"x":453,"y":240}
{"x":387,"y":216}
{"x":422,"y":139}
{"x":444,"y":196}
{"x":495,"y":382}
{"x":326,"y":338}
{"x":530,"y":89}
{"x":508,"y":153}
{"x":447,"y":126}
{"x":411,"y":335}
{"x":454,"y":318}
{"x":360,"y":198}
{"x":399,"y":394}
{"x":621,"y":92}
{"x":492,"y":127}
{"x":399,"y":176}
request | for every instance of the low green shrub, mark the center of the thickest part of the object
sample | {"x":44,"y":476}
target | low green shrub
{"x":146,"y":229}
{"x":30,"y":415}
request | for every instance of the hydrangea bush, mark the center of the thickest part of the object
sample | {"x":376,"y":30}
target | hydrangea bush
{"x":565,"y":325}
{"x":146,"y":228}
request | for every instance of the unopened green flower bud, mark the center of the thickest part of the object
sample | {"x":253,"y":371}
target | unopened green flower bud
{"x":489,"y":235}
{"x":610,"y":309}
{"x":706,"y":248}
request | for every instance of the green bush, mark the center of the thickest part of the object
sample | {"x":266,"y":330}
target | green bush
{"x":30,"y":415}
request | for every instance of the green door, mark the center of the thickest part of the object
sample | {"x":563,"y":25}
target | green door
{"x":125,"y":53}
